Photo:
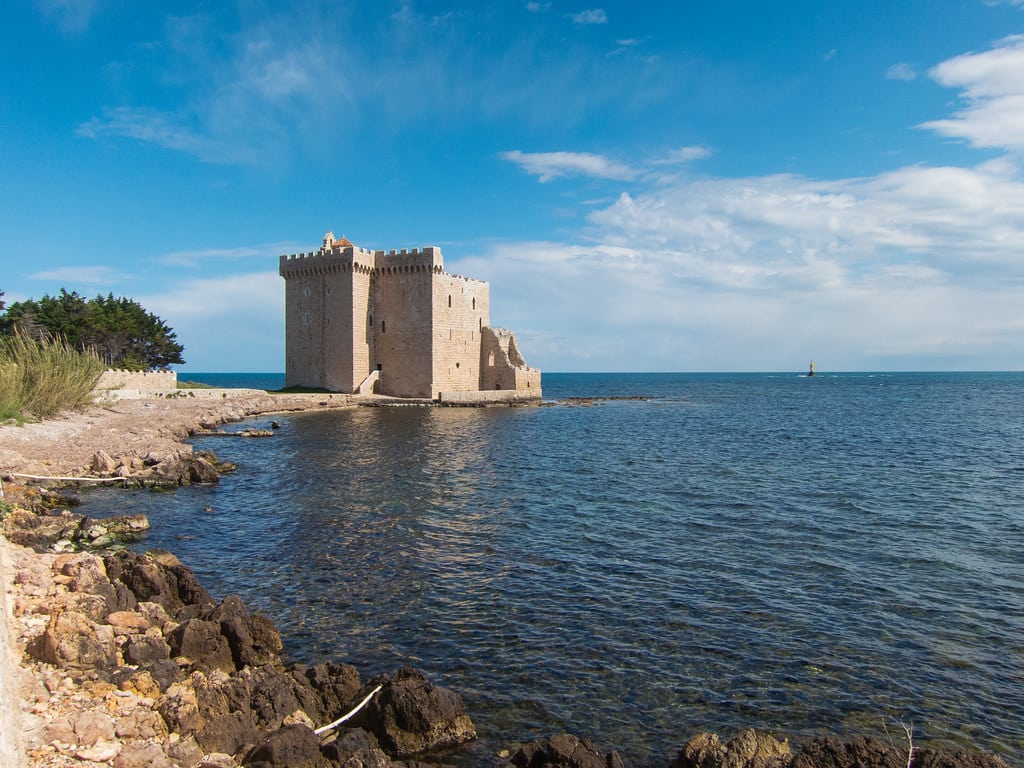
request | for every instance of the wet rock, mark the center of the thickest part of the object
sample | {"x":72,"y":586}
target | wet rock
{"x":71,"y":640}
{"x":852,"y":753}
{"x":862,"y":751}
{"x":201,"y":642}
{"x":99,"y":533}
{"x":293,"y":746}
{"x":564,"y":751}
{"x":410,"y":715}
{"x":202,"y":471}
{"x":927,"y":758}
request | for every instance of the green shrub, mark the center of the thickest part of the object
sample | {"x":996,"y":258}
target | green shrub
{"x":40,"y":378}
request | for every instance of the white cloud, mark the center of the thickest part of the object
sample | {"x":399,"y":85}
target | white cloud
{"x":538,"y":7}
{"x":262,"y":253}
{"x":215,"y":317}
{"x":168,"y":131}
{"x":901,"y":71}
{"x":918,"y":267}
{"x":992,"y":83}
{"x":684,"y":155}
{"x":592,"y":16}
{"x":94,"y":275}
{"x":552,"y":165}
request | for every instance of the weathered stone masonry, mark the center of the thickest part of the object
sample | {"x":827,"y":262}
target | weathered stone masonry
{"x":395,"y":323}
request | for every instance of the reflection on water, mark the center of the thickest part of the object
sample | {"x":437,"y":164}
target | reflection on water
{"x":831,"y":555}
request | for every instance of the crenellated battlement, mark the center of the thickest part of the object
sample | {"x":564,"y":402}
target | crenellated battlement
{"x":341,"y":255}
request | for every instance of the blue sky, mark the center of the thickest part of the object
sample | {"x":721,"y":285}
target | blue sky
{"x":656,"y":186}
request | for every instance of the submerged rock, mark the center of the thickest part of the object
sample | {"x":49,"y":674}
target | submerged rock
{"x":564,"y":751}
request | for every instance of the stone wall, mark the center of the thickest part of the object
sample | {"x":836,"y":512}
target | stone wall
{"x":402,"y":338}
{"x":143,"y":380}
{"x":461,"y":310}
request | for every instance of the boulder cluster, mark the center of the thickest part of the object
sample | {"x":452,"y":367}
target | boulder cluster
{"x":176,"y":468}
{"x":134,"y":664}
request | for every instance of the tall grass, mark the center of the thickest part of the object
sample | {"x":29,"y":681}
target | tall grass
{"x":41,"y":378}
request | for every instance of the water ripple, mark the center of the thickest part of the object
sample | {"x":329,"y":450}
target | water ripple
{"x":829,"y":555}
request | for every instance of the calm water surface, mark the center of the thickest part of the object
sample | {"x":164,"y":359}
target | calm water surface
{"x":832,"y":554}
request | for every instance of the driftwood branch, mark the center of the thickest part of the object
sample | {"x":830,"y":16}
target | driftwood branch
{"x":67,"y":479}
{"x":325,"y":728}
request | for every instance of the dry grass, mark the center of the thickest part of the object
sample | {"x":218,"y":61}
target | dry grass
{"x":41,"y":378}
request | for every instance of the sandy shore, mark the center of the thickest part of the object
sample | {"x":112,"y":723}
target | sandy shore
{"x":140,"y":426}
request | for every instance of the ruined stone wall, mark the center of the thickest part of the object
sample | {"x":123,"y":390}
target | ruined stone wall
{"x":144,"y":380}
{"x":461,"y":310}
{"x":502,"y":367}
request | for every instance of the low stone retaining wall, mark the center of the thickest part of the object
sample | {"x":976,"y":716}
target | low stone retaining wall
{"x":487,"y":397}
{"x":143,"y":380}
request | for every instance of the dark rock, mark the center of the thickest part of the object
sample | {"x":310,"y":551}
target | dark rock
{"x":293,"y":746}
{"x":356,"y":747}
{"x":231,"y":733}
{"x":165,"y":581}
{"x":863,"y":752}
{"x":336,"y":686}
{"x":253,"y":638}
{"x":853,"y":753}
{"x":277,"y":695}
{"x":928,"y":758}
{"x":202,"y":644}
{"x":163,"y":671}
{"x":145,"y":649}
{"x":564,"y":751}
{"x":410,"y":715}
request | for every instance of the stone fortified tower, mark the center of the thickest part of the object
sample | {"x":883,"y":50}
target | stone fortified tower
{"x":395,"y":323}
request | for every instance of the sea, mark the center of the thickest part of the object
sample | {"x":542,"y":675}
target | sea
{"x":645,"y":556}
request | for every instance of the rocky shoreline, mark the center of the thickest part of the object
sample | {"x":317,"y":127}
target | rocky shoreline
{"x":121,"y":659}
